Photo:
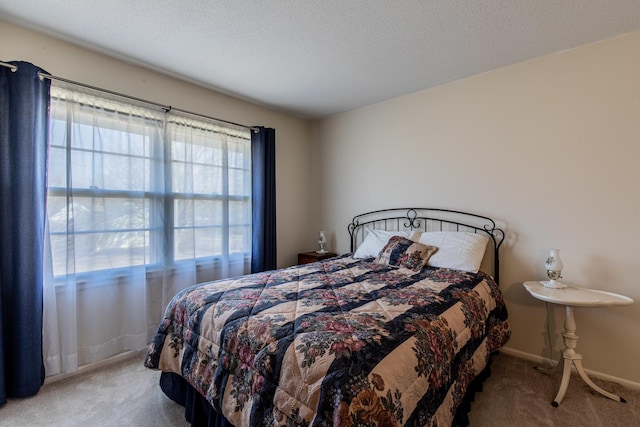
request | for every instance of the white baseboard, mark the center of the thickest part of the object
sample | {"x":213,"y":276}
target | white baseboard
{"x":87,"y":368}
{"x":546,"y":361}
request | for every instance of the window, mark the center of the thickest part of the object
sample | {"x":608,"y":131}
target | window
{"x":211,"y":190}
{"x":132,"y":186}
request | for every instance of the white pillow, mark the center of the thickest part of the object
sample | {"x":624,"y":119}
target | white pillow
{"x":458,"y":250}
{"x":375,"y":240}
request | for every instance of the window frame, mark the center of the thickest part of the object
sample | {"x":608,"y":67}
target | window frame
{"x":159,"y":248}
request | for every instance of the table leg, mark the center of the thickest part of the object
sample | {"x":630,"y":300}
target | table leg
{"x":591,"y":384}
{"x":564,"y":384}
{"x":569,"y":356}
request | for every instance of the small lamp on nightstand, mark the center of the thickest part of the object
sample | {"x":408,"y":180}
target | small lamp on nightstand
{"x":322,"y":241}
{"x":554,"y":267}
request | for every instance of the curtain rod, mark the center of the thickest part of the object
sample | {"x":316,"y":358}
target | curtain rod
{"x":166,"y":108}
{"x":13,"y":68}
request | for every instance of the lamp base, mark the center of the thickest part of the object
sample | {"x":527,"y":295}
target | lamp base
{"x":553,"y":284}
{"x":322,"y":251}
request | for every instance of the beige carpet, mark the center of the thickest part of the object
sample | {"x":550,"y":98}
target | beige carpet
{"x":517,"y":395}
{"x":123,"y":394}
{"x":127,"y":394}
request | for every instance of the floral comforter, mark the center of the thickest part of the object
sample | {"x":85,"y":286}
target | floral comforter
{"x":340,"y":342}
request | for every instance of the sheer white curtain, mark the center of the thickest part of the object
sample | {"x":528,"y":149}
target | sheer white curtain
{"x":209,"y":202}
{"x":141,"y":205}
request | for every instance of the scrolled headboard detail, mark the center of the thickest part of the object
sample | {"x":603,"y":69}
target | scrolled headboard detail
{"x":428,"y":219}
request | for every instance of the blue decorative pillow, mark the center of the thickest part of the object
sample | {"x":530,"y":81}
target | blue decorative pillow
{"x":403,"y":252}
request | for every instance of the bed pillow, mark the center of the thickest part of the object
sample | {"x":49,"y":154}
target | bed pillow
{"x":458,"y":250}
{"x":375,"y":240}
{"x":403,"y":252}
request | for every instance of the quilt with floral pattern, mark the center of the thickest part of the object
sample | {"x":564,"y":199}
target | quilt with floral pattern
{"x":340,"y":342}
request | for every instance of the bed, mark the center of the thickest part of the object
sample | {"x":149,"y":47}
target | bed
{"x":400,"y":331}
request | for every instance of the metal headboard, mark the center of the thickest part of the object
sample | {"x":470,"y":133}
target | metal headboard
{"x":428,"y":219}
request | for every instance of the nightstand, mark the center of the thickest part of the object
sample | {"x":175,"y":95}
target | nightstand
{"x":307,"y":257}
{"x":571,"y":296}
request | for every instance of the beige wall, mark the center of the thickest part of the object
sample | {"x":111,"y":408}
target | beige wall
{"x":548,"y":147}
{"x":292,"y":134}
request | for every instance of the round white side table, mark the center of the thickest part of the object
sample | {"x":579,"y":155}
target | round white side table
{"x":573,"y":296}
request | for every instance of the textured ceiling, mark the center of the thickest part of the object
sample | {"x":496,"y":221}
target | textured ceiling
{"x":316,"y":58}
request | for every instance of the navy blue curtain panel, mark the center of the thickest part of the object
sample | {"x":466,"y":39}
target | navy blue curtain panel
{"x":24,"y":105}
{"x":263,"y":198}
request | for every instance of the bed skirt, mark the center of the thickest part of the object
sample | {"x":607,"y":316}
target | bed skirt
{"x":462,"y":414}
{"x":199,"y":412}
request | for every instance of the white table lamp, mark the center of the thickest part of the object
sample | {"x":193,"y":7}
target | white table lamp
{"x":322,"y":241}
{"x":554,"y":266}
